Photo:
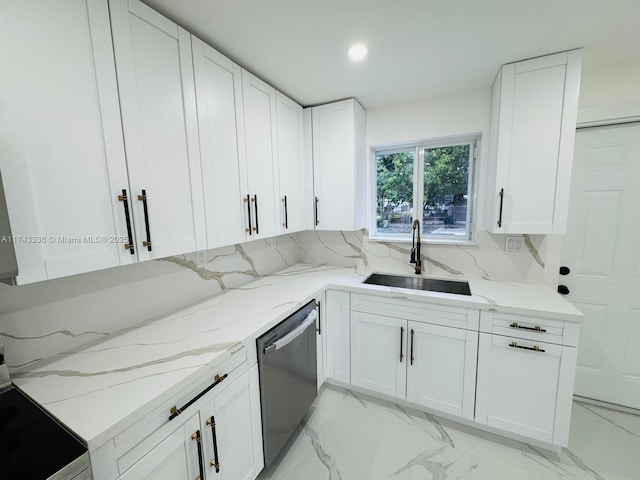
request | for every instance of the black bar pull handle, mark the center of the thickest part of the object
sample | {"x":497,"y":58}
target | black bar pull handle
{"x":501,"y":202}
{"x":250,"y":229}
{"x":143,"y":199}
{"x":255,"y":206}
{"x":412,"y":333}
{"x":401,"y":344}
{"x":198,"y":438}
{"x":286,"y":214}
{"x":125,"y":201}
{"x":319,"y":318}
{"x":211,"y":421}
{"x":535,"y":348}
{"x":537,"y":328}
{"x":175,"y":411}
{"x":316,"y":211}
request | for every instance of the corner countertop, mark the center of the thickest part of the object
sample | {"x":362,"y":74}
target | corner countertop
{"x":101,"y":389}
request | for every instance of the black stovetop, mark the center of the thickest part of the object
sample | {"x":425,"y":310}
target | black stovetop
{"x":33,"y":446}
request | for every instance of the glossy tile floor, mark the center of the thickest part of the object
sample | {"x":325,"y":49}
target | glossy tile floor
{"x":350,"y":436}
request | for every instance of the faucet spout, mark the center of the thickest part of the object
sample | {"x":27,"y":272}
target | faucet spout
{"x":415,"y":250}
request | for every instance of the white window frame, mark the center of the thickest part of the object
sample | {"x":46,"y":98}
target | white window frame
{"x":473,"y":140}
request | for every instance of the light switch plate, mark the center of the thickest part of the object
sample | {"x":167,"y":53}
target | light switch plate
{"x":514,"y":244}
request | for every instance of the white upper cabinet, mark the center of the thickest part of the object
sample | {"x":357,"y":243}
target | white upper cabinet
{"x":220,"y":122}
{"x":157,"y":100}
{"x":291,"y":166}
{"x":61,"y":150}
{"x":262,"y":202}
{"x":339,"y":166}
{"x":533,"y":121}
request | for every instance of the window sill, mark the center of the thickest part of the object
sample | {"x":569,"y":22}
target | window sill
{"x":424,"y":241}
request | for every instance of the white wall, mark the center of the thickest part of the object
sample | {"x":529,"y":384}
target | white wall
{"x":610,"y":92}
{"x":459,"y":114}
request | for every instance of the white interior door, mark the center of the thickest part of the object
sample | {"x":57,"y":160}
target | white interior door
{"x":601,"y":250}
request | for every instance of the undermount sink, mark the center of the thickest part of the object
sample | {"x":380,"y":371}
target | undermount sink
{"x":419,"y":283}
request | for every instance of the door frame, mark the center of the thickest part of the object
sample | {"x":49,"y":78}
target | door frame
{"x":583,"y":125}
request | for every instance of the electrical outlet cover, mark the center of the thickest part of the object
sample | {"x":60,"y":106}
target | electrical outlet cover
{"x":514,"y":244}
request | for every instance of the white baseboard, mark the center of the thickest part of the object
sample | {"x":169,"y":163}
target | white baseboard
{"x":610,"y":406}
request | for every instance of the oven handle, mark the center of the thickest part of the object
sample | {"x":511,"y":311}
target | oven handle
{"x":293,"y":334}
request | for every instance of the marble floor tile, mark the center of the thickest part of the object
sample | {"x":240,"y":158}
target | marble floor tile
{"x":350,"y":436}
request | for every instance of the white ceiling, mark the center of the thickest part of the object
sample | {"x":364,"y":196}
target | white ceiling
{"x":417,"y":48}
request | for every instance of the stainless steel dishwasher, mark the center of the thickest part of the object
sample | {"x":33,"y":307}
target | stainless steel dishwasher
{"x":288,"y":377}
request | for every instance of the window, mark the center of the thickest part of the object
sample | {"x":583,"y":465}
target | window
{"x":430,"y":182}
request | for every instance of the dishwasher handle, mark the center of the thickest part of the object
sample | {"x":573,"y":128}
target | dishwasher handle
{"x":293,"y":334}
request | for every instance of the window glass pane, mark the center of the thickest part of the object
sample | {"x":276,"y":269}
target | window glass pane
{"x":446,"y":183}
{"x":394,"y":192}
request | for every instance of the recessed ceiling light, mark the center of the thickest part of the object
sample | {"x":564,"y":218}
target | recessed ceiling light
{"x":357,"y":52}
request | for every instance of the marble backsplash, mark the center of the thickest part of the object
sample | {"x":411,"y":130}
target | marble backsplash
{"x":486,"y":258}
{"x":40,"y":320}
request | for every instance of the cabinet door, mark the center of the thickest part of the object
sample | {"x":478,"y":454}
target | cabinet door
{"x":442,"y":368}
{"x":535,"y":117}
{"x":61,"y":149}
{"x":291,"y":167}
{"x":261,"y":167}
{"x":333,"y":165}
{"x":157,"y":99}
{"x":219,"y":101}
{"x":337,"y":333}
{"x":235,"y":429}
{"x":379,"y":353}
{"x":174,"y":458}
{"x":517,"y":386}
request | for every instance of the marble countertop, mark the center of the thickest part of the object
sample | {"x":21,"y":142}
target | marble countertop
{"x":101,"y":389}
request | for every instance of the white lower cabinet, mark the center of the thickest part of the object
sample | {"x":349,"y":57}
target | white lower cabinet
{"x":510,"y":372}
{"x":522,"y":387}
{"x":220,"y":437}
{"x":175,"y":457}
{"x":232,"y":427}
{"x":427,"y":364}
{"x":378,"y":353}
{"x":337,"y":334}
{"x":442,"y":368}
